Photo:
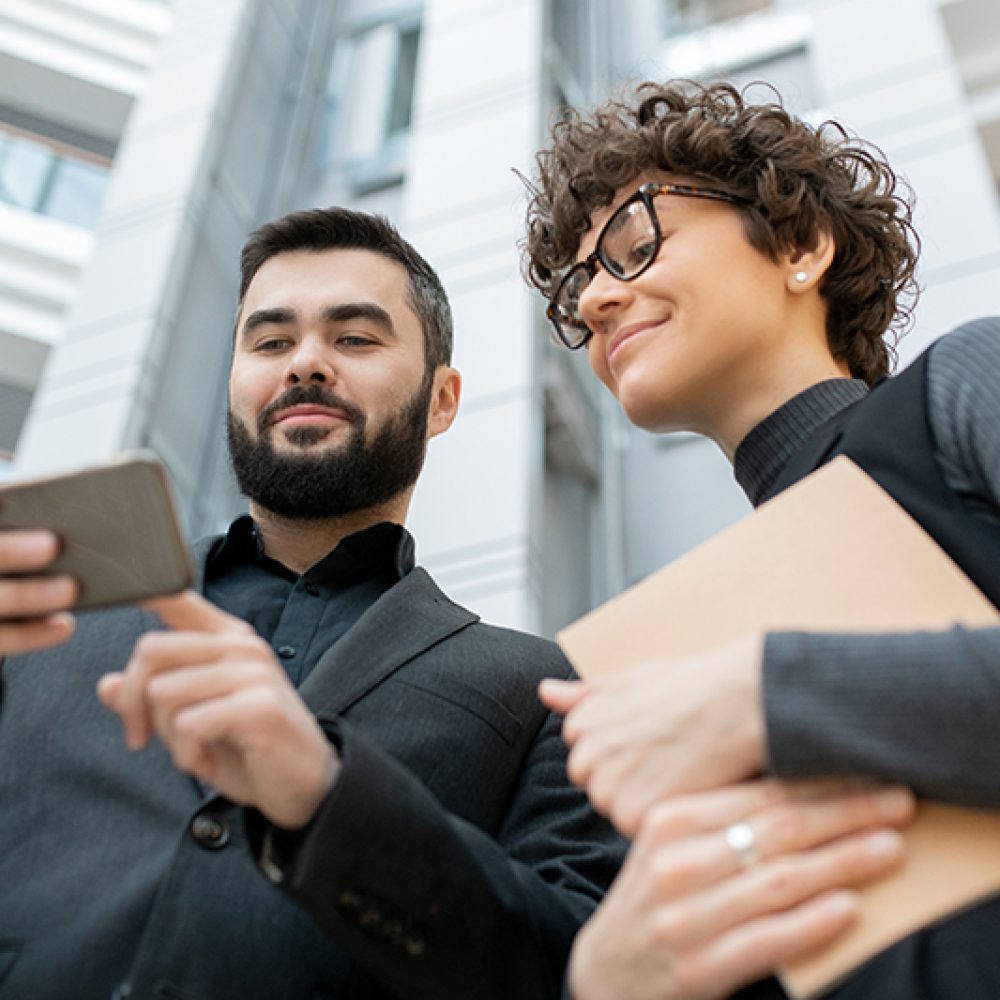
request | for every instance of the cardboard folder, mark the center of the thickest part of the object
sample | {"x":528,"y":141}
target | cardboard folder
{"x":833,"y":553}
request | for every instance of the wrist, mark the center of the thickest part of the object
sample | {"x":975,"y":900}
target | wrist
{"x":742,"y":677}
{"x":316,"y":789}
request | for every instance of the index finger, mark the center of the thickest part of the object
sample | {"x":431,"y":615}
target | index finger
{"x":23,"y":550}
{"x":188,"y":611}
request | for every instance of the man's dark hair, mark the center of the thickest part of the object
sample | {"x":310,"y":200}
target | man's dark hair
{"x":343,"y":229}
{"x":797,"y":179}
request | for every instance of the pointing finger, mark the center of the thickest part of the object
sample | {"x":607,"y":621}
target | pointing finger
{"x":188,"y":611}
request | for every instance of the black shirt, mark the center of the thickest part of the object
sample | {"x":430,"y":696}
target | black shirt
{"x":303,"y":616}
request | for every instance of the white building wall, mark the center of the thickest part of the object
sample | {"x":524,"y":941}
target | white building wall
{"x":214,"y":148}
{"x":476,"y":116}
{"x":73,"y":69}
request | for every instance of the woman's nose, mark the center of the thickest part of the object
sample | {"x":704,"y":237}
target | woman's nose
{"x":602,"y":298}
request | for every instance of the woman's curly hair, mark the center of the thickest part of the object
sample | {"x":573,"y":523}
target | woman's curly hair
{"x":798,"y":180}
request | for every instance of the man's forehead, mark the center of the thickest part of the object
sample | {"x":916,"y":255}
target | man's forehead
{"x":311,"y":281}
{"x":330,"y":268}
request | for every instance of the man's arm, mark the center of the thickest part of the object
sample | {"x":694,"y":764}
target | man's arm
{"x":433,"y":906}
{"x":428,"y":903}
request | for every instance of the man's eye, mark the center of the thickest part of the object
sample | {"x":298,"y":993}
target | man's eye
{"x":355,"y":340}
{"x":271,"y":344}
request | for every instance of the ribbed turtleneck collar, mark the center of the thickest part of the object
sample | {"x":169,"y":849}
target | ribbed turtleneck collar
{"x":762,"y":454}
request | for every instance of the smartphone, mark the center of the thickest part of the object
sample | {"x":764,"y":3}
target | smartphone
{"x":118,"y":525}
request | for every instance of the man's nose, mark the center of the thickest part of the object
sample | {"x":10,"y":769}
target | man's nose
{"x":311,"y":362}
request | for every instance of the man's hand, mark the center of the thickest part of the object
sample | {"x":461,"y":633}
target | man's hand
{"x":223,"y":706}
{"x":663,"y":728}
{"x":685,"y":921}
{"x":32,"y":607}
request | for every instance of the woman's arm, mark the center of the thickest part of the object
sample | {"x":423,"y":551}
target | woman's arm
{"x":913,"y":708}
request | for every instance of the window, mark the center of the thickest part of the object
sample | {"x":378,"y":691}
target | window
{"x":51,"y":179}
{"x":369,"y":104}
{"x":689,"y":15}
{"x":401,"y":100}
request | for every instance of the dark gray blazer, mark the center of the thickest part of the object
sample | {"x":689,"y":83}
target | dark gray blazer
{"x":451,"y":860}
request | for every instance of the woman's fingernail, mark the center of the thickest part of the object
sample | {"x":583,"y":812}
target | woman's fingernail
{"x":884,"y":845}
{"x":894,"y":802}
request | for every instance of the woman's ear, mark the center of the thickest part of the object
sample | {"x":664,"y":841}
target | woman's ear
{"x":804,"y":269}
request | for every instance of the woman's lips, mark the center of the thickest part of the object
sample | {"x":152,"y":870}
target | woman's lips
{"x":627,"y":335}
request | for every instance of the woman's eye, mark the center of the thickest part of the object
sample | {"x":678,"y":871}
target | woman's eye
{"x":641,"y":252}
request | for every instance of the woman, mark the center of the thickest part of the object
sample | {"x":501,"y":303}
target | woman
{"x":733,"y":271}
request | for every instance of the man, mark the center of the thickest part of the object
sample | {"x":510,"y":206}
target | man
{"x":327,"y":716}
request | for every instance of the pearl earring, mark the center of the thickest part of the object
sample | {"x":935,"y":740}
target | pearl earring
{"x":801,"y":277}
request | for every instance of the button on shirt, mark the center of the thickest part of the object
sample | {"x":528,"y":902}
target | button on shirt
{"x":303,"y":616}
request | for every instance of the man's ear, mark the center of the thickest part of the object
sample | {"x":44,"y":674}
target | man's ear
{"x":445,"y":394}
{"x":804,"y":269}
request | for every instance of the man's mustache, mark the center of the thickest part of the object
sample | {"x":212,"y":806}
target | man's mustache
{"x":309,"y":395}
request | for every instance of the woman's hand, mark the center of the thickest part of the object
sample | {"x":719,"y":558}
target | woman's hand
{"x":689,"y":918}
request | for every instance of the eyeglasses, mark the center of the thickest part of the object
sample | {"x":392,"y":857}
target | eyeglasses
{"x":626,"y":246}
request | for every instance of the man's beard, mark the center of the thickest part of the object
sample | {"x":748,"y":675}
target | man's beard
{"x":333,"y":481}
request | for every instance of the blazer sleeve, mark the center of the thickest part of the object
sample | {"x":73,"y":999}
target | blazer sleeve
{"x":430,"y":905}
{"x":908,"y":707}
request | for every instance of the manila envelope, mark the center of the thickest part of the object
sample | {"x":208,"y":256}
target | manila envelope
{"x":833,"y":553}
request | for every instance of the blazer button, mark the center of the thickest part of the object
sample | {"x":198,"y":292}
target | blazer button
{"x":210,"y":831}
{"x":414,"y":947}
{"x":350,"y":901}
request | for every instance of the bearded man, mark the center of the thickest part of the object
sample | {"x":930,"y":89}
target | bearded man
{"x":334,"y":782}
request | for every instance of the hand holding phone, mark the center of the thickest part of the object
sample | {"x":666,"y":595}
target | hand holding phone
{"x":117,"y":535}
{"x":32,"y":605}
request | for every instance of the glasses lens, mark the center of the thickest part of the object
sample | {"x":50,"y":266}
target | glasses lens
{"x":565,"y":311}
{"x":630,"y":240}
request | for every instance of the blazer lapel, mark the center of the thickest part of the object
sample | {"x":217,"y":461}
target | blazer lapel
{"x":406,"y":621}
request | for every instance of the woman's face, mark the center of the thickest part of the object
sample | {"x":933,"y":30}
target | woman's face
{"x":692,"y":340}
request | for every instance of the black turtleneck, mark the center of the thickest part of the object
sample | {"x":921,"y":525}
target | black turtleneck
{"x":762,"y":454}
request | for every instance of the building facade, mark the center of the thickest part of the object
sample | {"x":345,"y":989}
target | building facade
{"x":141,"y":141}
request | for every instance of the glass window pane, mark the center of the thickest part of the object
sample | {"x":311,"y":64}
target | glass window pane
{"x":691,"y":14}
{"x":76,"y":193}
{"x":401,"y":102}
{"x":24,"y":172}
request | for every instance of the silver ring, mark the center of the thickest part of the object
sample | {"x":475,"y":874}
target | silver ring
{"x":743,"y":843}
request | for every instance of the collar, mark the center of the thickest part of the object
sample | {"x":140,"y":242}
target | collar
{"x":382,"y":548}
{"x":763,"y":453}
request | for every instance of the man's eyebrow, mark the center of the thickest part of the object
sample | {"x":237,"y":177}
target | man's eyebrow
{"x":347,"y":311}
{"x":260,"y":317}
